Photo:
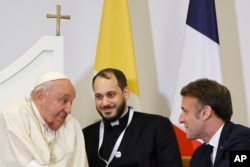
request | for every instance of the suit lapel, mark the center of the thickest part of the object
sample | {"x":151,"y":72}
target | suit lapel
{"x":222,"y":142}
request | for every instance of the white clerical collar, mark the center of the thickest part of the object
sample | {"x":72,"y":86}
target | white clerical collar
{"x":114,"y":123}
{"x":117,"y":122}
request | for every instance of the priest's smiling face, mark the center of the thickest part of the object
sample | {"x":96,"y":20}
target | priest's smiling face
{"x":55,"y":103}
{"x":110,"y":100}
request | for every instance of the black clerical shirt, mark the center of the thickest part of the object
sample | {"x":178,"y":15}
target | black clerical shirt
{"x":111,"y":134}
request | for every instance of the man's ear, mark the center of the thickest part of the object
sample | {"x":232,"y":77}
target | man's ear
{"x":207,"y":112}
{"x":39,"y":94}
{"x":126,"y":92}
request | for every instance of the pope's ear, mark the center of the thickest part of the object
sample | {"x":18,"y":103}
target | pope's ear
{"x":39,"y":94}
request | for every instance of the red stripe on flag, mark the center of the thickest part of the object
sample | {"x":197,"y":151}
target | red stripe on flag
{"x":186,"y":146}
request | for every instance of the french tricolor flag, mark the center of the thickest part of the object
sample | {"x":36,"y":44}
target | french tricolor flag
{"x":200,"y":59}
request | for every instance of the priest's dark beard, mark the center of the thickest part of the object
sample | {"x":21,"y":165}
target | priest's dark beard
{"x":119,"y":113}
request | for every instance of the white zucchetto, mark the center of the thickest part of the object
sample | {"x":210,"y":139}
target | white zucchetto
{"x":50,"y":76}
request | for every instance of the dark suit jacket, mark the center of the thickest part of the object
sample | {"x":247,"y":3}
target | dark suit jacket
{"x":233,"y":137}
{"x":149,"y":141}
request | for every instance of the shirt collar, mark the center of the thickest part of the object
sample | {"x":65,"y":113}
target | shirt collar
{"x":214,"y":141}
{"x":121,"y":122}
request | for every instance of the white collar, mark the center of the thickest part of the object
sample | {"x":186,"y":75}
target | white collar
{"x":39,"y":117}
{"x":117,"y":122}
{"x":214,"y":141}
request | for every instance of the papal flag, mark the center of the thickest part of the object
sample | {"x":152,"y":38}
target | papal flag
{"x":115,"y":45}
{"x":200,"y":59}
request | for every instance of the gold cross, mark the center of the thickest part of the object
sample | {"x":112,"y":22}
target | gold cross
{"x":58,"y":17}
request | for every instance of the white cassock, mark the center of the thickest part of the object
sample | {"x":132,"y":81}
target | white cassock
{"x":26,"y":141}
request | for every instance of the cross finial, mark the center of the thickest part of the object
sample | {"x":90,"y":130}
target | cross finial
{"x":58,"y":17}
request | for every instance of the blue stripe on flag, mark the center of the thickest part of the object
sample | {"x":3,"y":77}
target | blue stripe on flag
{"x":202,"y":17}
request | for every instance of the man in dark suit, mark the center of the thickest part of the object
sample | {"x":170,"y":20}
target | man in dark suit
{"x":124,"y":137}
{"x":206,"y":114}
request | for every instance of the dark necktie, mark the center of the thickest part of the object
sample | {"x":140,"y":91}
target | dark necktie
{"x":202,"y":156}
{"x":207,"y":150}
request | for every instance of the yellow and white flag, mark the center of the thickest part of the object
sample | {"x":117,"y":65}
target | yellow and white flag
{"x":115,"y":45}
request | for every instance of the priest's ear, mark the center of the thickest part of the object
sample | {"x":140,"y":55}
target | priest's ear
{"x":126,"y":92}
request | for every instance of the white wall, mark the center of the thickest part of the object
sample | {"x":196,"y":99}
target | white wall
{"x":158,"y":29}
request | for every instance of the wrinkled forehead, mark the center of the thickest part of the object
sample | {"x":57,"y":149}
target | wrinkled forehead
{"x":63,"y":86}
